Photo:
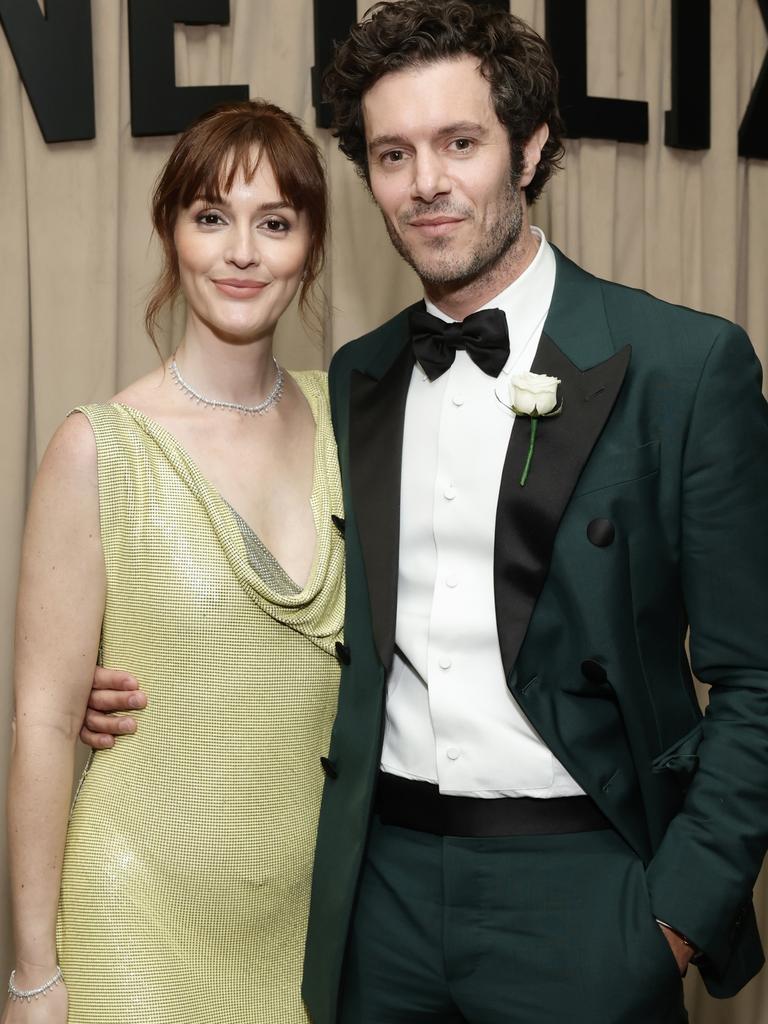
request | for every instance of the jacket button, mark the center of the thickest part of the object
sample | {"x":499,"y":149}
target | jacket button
{"x":601,"y":532}
{"x":593,"y":671}
{"x":343,"y":653}
{"x":329,"y":768}
{"x":339,"y":523}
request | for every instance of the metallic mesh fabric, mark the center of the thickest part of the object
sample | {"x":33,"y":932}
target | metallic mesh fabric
{"x":187,"y":867}
{"x":263,"y":561}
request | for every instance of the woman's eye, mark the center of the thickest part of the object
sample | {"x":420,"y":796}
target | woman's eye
{"x":275,"y":224}
{"x":209,"y":218}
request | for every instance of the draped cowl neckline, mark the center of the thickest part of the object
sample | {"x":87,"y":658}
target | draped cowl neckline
{"x":317,"y":609}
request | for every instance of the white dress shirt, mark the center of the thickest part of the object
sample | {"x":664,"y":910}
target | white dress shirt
{"x":450,"y":718}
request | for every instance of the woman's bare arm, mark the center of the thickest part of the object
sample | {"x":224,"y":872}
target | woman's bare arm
{"x":59,"y":615}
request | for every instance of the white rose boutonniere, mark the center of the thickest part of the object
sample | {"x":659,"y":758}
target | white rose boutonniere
{"x":533,"y":395}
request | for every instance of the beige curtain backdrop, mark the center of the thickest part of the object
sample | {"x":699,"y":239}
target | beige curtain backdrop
{"x":76,"y":257}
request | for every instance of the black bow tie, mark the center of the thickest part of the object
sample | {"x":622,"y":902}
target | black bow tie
{"x":482,"y":334}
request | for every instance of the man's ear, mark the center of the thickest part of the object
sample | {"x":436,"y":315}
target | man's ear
{"x":532,"y":153}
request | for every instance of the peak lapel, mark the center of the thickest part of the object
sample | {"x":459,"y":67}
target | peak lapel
{"x":377,"y":414}
{"x":527,"y":517}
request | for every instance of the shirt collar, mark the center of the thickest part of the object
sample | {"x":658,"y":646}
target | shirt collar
{"x":525,"y":302}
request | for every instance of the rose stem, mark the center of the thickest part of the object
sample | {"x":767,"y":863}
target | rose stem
{"x":534,"y":424}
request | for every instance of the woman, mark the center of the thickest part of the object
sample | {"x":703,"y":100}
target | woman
{"x":183,"y":532}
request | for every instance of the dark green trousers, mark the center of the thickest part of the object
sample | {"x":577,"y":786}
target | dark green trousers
{"x":520,"y":930}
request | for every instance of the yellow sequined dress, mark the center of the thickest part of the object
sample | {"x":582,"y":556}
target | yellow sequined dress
{"x":187,"y":868}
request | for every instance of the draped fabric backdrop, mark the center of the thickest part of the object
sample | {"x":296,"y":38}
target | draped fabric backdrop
{"x":77,"y":259}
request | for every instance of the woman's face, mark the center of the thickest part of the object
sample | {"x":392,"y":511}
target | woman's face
{"x":241,"y":260}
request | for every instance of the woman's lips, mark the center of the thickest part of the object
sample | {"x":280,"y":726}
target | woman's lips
{"x":237,"y":289}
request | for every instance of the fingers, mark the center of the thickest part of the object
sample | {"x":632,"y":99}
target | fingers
{"x":111,"y":725}
{"x":99,"y":731}
{"x":96,"y":740}
{"x":117,"y":700}
{"x":113,"y":690}
{"x":113,"y":679}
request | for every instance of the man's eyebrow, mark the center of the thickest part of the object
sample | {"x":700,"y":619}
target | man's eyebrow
{"x":457,"y":128}
{"x":387,"y":140}
{"x":463,"y":128}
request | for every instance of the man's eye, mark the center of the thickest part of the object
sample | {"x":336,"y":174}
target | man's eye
{"x":462,"y":144}
{"x":394,"y":156}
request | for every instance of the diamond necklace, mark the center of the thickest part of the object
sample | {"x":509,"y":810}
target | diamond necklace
{"x":248,"y":410}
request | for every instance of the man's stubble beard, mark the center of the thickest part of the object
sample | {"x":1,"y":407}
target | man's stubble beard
{"x":460,"y":269}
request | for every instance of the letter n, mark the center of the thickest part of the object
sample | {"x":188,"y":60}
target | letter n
{"x":54,"y":55}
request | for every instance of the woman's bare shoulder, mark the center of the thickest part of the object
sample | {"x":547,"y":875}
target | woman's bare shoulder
{"x":145,"y":393}
{"x":64,"y":504}
{"x":71,"y":452}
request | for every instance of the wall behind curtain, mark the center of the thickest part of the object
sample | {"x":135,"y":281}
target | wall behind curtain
{"x":77,"y":260}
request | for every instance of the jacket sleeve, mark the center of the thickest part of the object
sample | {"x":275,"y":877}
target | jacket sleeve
{"x":701,"y":877}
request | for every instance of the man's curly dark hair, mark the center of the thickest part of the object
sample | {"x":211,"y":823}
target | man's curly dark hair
{"x":514,"y":59}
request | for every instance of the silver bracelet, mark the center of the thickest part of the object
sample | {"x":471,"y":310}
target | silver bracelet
{"x":19,"y":994}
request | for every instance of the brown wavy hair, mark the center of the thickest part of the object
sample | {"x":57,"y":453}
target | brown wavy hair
{"x":514,"y":59}
{"x":204,"y":163}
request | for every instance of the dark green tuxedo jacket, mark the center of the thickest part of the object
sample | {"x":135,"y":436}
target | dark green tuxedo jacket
{"x":664,"y":433}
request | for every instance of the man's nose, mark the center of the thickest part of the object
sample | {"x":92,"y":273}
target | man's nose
{"x":429,"y":177}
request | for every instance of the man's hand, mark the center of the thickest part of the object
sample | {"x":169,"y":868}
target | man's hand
{"x":112,"y":691}
{"x":681,"y":950}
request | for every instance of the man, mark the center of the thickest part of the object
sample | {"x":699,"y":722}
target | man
{"x":525,"y":816}
{"x":517,"y":690}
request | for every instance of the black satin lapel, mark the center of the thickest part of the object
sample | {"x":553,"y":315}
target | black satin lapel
{"x":527,"y":517}
{"x":377,"y":413}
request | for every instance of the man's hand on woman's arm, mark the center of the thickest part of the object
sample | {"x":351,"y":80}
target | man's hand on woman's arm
{"x":113,"y":690}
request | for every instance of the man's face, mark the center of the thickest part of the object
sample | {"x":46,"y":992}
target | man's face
{"x":441,"y":170}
